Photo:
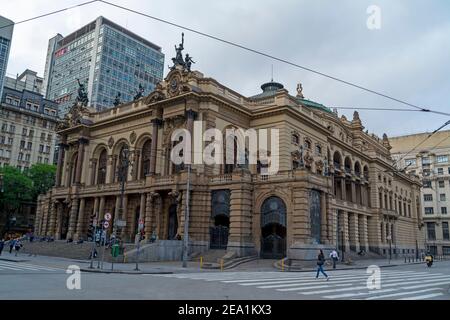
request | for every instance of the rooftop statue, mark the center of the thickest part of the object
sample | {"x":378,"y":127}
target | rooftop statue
{"x":82,"y":94}
{"x":140,"y":93}
{"x":188,"y":62}
{"x":117,"y":100}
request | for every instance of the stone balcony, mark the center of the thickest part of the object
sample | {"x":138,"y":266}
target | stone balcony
{"x":348,"y":205}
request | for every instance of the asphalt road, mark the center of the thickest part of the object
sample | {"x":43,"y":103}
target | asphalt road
{"x":46,"y":278}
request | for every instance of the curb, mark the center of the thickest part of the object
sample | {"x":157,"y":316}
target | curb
{"x":350,"y":268}
{"x":11,"y":260}
{"x":125,"y":272}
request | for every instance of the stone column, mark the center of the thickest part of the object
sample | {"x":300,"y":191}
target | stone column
{"x":148,"y":216}
{"x":354,"y":232}
{"x":80,"y":222}
{"x":52,"y":219}
{"x":353,"y":187}
{"x":383,"y":232}
{"x":324,"y":235}
{"x":73,"y":218}
{"x":61,"y":154}
{"x":96,"y":213}
{"x":93,"y":171}
{"x":155,"y":128}
{"x":80,"y":157}
{"x":240,"y":235}
{"x":101,"y":208}
{"x":109,"y":169}
{"x":343,"y":189}
{"x":59,"y":222}
{"x":343,"y":223}
{"x":363,"y":233}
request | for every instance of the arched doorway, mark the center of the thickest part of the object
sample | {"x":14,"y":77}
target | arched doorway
{"x":137,"y":212}
{"x":173,"y":222}
{"x":65,"y":223}
{"x":220,"y":215}
{"x":273,"y":228}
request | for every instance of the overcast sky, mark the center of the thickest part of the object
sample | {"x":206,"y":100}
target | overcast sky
{"x":408,"y":58}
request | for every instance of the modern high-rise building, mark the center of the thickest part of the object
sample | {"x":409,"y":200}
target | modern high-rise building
{"x":6,"y":32}
{"x":107,"y":58}
{"x":431,"y":162}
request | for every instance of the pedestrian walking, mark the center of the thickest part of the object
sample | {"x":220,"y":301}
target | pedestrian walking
{"x":12,"y":243}
{"x":17,"y":246}
{"x":320,"y":263}
{"x":2,"y":244}
{"x":335,"y":257}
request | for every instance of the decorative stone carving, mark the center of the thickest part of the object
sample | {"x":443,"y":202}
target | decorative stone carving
{"x":77,"y":115}
{"x":319,"y":165}
{"x":110,"y":142}
{"x":132,"y":137}
{"x":308,"y":160}
{"x":300,"y":91}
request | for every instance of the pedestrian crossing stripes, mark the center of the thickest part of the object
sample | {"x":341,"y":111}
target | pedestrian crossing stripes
{"x":342,"y":284}
{"x":20,"y":266}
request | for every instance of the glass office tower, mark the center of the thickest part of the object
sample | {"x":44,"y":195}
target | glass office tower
{"x":108,"y":59}
{"x":6,"y":32}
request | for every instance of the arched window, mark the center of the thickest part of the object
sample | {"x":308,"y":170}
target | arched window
{"x":357,"y":169}
{"x":102,"y":164}
{"x":146,"y":153}
{"x":318,"y":149}
{"x":337,"y":161}
{"x":176,"y":168}
{"x":348,"y":165}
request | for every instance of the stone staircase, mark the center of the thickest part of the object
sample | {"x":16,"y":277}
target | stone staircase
{"x":220,"y":259}
{"x":59,"y":248}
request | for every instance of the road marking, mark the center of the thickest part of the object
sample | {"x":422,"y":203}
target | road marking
{"x":427,"y":296}
{"x":349,"y":295}
{"x":281,"y":284}
{"x":25,"y":266}
{"x":402,"y":294}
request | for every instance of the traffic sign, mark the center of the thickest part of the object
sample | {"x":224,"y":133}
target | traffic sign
{"x":94,"y":222}
{"x":107,"y":216}
{"x":106,"y":224}
{"x":141,"y":226}
{"x":141,"y":221}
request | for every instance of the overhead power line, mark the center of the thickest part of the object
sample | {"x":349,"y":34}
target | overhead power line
{"x":48,"y":14}
{"x":419,"y":144}
{"x":274,"y":58}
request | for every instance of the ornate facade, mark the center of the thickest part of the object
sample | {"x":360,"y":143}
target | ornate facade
{"x":336,"y":186}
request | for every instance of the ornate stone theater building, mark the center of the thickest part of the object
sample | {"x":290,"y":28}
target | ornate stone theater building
{"x":336,"y":186}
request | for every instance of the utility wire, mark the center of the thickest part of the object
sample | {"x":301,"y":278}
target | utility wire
{"x":274,"y":58}
{"x":421,"y":109}
{"x":48,"y":14}
{"x":419,"y":144}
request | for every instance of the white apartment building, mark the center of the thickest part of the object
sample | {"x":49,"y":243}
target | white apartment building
{"x":27,"y":126}
{"x":430,"y":161}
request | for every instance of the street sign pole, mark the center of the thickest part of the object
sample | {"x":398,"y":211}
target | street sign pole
{"x":93,"y":246}
{"x":140,"y":227}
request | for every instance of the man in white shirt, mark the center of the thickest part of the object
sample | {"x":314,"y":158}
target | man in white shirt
{"x":335,"y":257}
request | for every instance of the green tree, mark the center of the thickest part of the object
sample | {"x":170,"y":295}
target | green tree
{"x":42,"y":176}
{"x":15,"y":188}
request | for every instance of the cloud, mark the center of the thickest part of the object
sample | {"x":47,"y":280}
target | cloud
{"x":407,"y":58}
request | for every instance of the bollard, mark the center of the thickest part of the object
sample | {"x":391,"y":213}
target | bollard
{"x":405,"y":259}
{"x":221,"y":264}
{"x":282,"y":265}
{"x":201,"y":262}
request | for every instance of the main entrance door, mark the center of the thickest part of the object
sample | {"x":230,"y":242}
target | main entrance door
{"x":273,"y":228}
{"x":220,"y":214}
{"x":219,"y":233}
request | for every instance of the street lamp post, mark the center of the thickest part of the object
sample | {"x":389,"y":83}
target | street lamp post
{"x":186,"y":218}
{"x":342,"y":244}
